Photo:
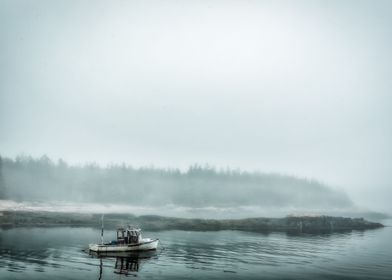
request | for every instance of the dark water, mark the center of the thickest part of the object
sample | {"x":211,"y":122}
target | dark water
{"x":58,"y":253}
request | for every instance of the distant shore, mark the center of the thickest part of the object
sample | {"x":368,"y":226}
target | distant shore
{"x":289,"y":224}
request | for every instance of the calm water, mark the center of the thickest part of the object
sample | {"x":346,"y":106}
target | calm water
{"x":59,"y":253}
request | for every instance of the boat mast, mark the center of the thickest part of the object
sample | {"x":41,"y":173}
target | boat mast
{"x":102,"y":230}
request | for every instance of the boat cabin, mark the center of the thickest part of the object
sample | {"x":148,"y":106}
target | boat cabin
{"x":129,"y":235}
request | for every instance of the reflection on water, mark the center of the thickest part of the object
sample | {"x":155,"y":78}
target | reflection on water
{"x":60,"y":253}
{"x":127,"y":264}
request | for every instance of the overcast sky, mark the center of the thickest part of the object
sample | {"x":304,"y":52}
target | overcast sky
{"x":296,"y":87}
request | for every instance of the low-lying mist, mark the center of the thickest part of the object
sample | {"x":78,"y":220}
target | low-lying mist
{"x":199,"y":191}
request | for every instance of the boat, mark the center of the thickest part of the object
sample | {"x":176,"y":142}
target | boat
{"x":129,"y":239}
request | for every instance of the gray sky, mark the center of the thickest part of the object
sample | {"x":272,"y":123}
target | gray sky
{"x":296,"y":87}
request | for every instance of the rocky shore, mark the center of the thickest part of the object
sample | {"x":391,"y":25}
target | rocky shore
{"x":289,"y":224}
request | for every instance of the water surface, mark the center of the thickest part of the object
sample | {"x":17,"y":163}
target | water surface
{"x":60,"y":253}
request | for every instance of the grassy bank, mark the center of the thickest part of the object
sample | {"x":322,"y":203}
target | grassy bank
{"x":304,"y":224}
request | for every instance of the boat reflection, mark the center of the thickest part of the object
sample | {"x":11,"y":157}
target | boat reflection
{"x":128,"y":264}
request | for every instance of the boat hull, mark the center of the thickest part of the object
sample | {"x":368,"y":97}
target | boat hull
{"x":145,"y":245}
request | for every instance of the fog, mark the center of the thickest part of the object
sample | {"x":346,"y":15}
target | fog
{"x":42,"y":180}
{"x":299,"y":88}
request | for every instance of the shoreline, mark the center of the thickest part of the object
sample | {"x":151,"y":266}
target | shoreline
{"x":289,"y":224}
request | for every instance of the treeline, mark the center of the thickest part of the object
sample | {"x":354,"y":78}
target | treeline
{"x":41,"y":179}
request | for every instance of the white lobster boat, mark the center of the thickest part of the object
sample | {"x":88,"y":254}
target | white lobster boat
{"x":128,"y":239}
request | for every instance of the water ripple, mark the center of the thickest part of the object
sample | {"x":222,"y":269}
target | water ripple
{"x":219,"y":255}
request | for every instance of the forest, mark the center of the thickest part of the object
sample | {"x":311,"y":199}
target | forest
{"x":25,"y":178}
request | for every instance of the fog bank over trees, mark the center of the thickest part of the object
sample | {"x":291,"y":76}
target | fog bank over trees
{"x":42,"y":179}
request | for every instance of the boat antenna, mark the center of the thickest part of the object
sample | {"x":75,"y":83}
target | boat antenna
{"x":102,"y":229}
